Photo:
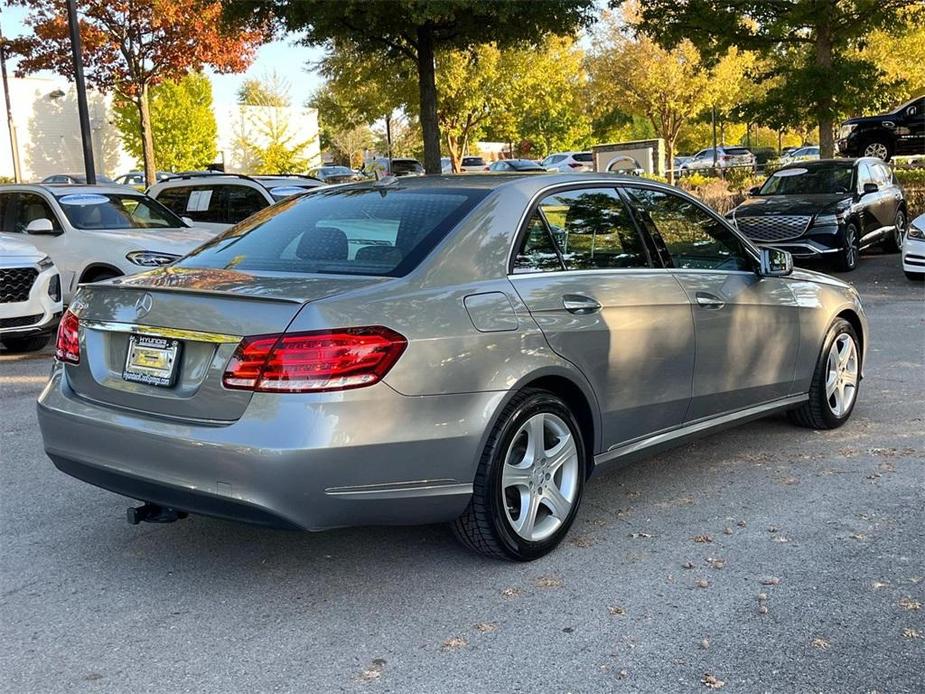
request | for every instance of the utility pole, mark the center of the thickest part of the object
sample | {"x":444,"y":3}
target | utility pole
{"x":14,"y":145}
{"x":81,"y":87}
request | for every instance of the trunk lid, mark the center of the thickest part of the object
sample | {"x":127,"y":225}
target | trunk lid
{"x":204,"y":312}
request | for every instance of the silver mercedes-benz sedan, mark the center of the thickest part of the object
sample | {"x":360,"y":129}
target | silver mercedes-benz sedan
{"x":460,"y":349}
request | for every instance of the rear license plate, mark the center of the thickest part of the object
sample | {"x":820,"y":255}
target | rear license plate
{"x":151,"y":360}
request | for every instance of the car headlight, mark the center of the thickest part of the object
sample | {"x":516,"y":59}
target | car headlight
{"x":845,"y":130}
{"x":826,"y":220}
{"x":915,"y":232}
{"x":46,"y":263}
{"x":151,"y":258}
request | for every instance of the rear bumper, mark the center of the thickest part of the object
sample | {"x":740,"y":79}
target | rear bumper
{"x":363,"y":457}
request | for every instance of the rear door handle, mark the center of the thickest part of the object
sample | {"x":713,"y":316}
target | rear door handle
{"x":580,"y":304}
{"x":709,"y":300}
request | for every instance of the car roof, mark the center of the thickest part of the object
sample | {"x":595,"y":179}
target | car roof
{"x":816,"y":163}
{"x":59,"y":189}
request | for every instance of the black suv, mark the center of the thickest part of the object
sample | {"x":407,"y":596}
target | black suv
{"x":901,"y":131}
{"x":830,"y":208}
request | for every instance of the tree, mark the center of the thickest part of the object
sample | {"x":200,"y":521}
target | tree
{"x":809,"y":41}
{"x":183,"y":124}
{"x":129,"y":46}
{"x":668,"y":86}
{"x":272,"y":90}
{"x":414,"y":30}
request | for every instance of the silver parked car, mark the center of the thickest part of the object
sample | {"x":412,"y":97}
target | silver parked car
{"x":462,"y":349}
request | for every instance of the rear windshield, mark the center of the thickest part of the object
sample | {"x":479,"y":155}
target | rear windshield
{"x":737,"y":151}
{"x":473,"y":161}
{"x":582,"y":156}
{"x":355,"y":231}
{"x":401,"y":167}
{"x":116,"y":211}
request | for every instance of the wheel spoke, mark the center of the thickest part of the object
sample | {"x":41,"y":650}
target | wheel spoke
{"x":513,"y":476}
{"x":560,"y":453}
{"x":839,"y":400}
{"x":536,"y":445}
{"x":527,"y":518}
{"x":554,"y":500}
{"x":830,"y":382}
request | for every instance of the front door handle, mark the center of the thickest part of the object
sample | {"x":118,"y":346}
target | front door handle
{"x":709,"y":300}
{"x":580,"y":304}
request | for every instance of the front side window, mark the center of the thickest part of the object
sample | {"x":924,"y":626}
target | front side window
{"x":692,"y":238}
{"x":17,"y":210}
{"x":359,"y":231}
{"x":116,"y":211}
{"x":589,"y":228}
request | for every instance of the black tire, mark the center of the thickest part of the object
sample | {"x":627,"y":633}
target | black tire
{"x":893,"y":243}
{"x":484,"y":526}
{"x":877,"y":146}
{"x":915,"y":276}
{"x":25,"y":343}
{"x":851,"y":249}
{"x":815,"y":413}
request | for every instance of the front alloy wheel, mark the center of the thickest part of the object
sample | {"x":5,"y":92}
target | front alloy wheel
{"x":529,"y":481}
{"x":851,"y":249}
{"x":841,"y":380}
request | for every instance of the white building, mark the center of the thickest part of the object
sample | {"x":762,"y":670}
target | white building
{"x":48,"y":131}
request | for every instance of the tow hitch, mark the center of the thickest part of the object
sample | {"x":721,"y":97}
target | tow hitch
{"x":152,"y":513}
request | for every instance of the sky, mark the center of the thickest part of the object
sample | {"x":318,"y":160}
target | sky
{"x":289,"y":60}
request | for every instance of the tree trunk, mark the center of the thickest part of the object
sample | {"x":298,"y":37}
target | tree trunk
{"x":428,"y":92}
{"x":147,"y":137}
{"x":824,"y":110}
{"x":669,"y":146}
{"x":455,"y":152}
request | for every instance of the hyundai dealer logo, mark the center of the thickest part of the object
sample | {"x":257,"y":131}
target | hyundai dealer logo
{"x":143,"y":305}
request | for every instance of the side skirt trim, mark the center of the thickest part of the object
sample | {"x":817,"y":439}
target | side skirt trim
{"x":673,"y":437}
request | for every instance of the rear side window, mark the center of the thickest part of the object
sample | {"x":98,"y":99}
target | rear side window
{"x":692,"y":238}
{"x":242,"y":202}
{"x":214,"y":204}
{"x":358,"y":231}
{"x":590,"y":230}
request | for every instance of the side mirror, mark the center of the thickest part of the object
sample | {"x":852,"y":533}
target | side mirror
{"x":188,"y":222}
{"x":754,"y":190}
{"x":870,"y":188}
{"x":41,"y":227}
{"x":775,"y":262}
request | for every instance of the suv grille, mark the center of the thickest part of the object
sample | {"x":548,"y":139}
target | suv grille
{"x":16,"y":283}
{"x":773,"y":227}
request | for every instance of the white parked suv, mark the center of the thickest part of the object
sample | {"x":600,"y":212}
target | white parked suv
{"x":30,"y":296}
{"x":95,"y":232}
{"x":914,"y":249}
{"x":217,"y":201}
{"x":564,"y":162}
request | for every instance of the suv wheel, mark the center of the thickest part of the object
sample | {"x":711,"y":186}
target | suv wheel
{"x":529,"y":481}
{"x":851,"y":249}
{"x":879,"y":148}
{"x":894,"y":242}
{"x":834,"y":389}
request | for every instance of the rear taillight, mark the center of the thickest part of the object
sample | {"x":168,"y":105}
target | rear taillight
{"x":314,"y":361}
{"x":67,"y":348}
{"x":575,"y":165}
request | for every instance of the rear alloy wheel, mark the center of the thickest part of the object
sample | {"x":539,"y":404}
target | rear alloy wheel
{"x":879,"y":149}
{"x":529,"y":481}
{"x":851,"y":249}
{"x":834,"y":389}
{"x":894,"y":242}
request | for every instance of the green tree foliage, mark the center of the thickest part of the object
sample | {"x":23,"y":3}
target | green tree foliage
{"x":272,"y":91}
{"x":263,"y":136}
{"x":183,"y":124}
{"x":414,"y":30}
{"x":811,"y":45}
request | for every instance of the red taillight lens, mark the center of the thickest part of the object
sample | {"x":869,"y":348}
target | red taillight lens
{"x":68,"y":346}
{"x":316,"y":361}
{"x":575,"y":165}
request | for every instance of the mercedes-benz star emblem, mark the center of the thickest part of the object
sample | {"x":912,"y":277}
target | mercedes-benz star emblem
{"x":143,"y":305}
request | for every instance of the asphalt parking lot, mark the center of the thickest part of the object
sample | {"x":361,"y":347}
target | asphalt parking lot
{"x":763,"y":559}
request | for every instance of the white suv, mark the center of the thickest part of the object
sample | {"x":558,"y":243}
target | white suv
{"x":95,"y":232}
{"x":30,"y":296}
{"x":217,"y":201}
{"x":565,"y":162}
{"x":726,"y":158}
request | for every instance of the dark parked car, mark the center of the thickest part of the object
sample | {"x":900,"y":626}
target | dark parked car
{"x":826,"y":208}
{"x":74,"y":179}
{"x":901,"y":131}
{"x":334,"y":174}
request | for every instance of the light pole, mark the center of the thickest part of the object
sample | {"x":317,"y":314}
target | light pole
{"x":14,"y":145}
{"x":81,"y":87}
